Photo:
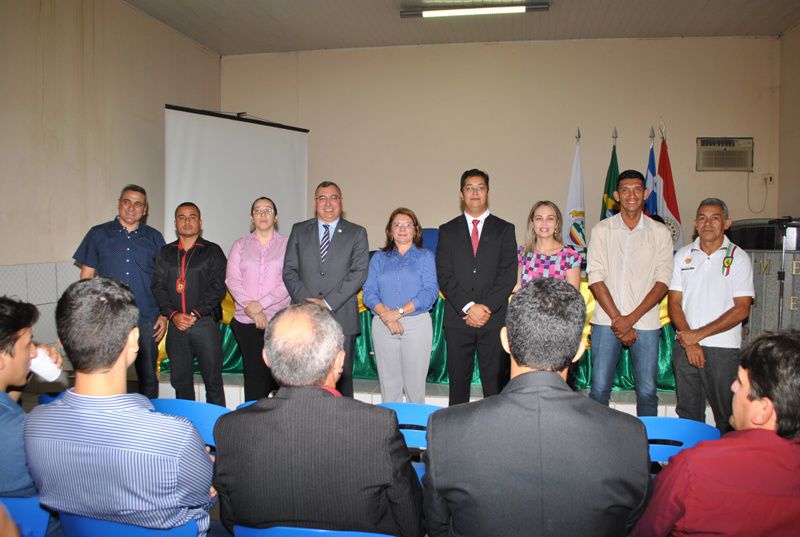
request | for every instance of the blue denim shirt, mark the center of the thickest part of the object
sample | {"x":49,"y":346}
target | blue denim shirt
{"x":395,"y":279}
{"x":128,"y":257}
{"x":15,"y":479}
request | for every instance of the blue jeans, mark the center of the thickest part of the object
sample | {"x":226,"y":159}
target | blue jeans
{"x":644,"y":354}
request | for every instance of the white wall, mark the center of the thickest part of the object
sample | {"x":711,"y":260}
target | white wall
{"x":84,"y":85}
{"x":397,"y":126}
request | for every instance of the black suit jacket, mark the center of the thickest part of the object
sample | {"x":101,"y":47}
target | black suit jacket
{"x":487,"y":278}
{"x":306,"y":458}
{"x":338,"y":279}
{"x":536,"y":460}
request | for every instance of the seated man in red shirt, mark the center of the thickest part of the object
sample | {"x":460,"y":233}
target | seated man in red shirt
{"x":747,"y":483}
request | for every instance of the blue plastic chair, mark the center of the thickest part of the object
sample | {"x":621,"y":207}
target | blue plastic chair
{"x":430,"y":238}
{"x":669,"y":436}
{"x":49,"y":397}
{"x":285,"y":531}
{"x":81,"y":526}
{"x":202,"y":415}
{"x":413,"y":420}
{"x":28,"y":515}
{"x":245,"y":404}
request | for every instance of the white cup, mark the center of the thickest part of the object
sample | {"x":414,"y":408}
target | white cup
{"x":43,"y":366}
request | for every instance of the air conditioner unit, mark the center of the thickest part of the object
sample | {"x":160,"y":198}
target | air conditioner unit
{"x":724,"y":155}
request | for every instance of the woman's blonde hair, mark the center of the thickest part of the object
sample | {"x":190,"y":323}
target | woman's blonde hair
{"x":530,"y":236}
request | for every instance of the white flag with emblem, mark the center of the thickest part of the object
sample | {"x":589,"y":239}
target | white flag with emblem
{"x":573,"y":228}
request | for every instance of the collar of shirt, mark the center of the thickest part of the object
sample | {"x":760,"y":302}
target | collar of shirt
{"x":107,"y":402}
{"x":7,"y":401}
{"x":198,"y":242}
{"x":333,"y":391}
{"x":254,"y":238}
{"x":481,"y":219}
{"x":724,"y":246}
{"x":123,"y":228}
{"x":411,"y":252}
{"x":332,"y":225}
{"x":640,"y":225}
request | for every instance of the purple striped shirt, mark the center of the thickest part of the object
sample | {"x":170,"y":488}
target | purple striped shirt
{"x":116,"y":458}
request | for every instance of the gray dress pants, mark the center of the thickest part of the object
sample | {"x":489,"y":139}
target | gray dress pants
{"x":403,"y":359}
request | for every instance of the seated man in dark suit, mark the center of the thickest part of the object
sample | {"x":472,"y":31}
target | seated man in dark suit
{"x":538,"y":459}
{"x":308,"y":456}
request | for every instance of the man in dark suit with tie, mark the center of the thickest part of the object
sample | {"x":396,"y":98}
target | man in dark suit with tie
{"x":307,"y":456}
{"x":538,"y":459}
{"x":477,"y":268}
{"x":326,"y":263}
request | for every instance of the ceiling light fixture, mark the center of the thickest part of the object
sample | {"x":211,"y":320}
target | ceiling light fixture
{"x":461,"y":11}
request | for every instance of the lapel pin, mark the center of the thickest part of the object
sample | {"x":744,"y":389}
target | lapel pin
{"x":338,"y":231}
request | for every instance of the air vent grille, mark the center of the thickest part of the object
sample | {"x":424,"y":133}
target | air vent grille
{"x":724,"y":155}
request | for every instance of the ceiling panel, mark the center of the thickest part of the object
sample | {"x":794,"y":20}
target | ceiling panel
{"x":252,"y":26}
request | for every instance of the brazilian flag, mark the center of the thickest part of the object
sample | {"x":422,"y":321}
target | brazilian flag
{"x":610,"y":205}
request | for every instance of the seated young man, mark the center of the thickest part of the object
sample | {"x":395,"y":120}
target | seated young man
{"x":101,"y":452}
{"x":16,"y":351}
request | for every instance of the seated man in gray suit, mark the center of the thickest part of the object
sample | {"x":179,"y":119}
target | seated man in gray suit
{"x":326,"y":263}
{"x":538,"y":459}
{"x":309,"y":457}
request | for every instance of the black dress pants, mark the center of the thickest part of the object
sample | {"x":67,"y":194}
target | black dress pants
{"x":145,"y":364}
{"x":258,"y":381}
{"x":462,"y":343}
{"x":204,"y":341}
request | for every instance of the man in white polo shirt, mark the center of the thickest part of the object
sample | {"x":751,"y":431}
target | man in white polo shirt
{"x":710,"y":295}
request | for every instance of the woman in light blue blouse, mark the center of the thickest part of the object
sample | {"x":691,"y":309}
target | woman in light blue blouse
{"x":401,"y":289}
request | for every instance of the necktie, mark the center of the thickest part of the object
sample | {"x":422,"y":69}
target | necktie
{"x":326,"y":241}
{"x":475,"y":236}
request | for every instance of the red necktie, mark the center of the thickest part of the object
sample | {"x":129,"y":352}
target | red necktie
{"x":475,"y":236}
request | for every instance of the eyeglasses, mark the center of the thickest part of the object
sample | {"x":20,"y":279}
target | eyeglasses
{"x":264,"y":212}
{"x":403,"y":225}
{"x":332,"y":199}
{"x":469,"y":189}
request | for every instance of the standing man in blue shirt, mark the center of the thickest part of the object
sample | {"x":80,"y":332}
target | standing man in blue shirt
{"x":125,"y":249}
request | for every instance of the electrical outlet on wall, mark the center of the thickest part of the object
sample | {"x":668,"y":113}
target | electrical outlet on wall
{"x":768,"y":178}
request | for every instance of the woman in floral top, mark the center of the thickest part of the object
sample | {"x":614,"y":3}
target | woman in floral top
{"x":544,"y":255}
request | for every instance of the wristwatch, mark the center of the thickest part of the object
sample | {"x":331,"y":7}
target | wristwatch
{"x":401,"y":311}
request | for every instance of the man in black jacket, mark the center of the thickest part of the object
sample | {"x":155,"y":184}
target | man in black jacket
{"x":309,"y":457}
{"x":189,"y":285}
{"x":476,"y":264}
{"x":538,"y":459}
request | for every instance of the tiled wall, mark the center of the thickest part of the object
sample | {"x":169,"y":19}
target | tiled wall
{"x":41,"y":284}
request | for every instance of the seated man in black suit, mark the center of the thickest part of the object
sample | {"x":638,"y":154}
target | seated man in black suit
{"x":538,"y":459}
{"x":308,"y":456}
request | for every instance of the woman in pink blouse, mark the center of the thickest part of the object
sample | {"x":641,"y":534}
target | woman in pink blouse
{"x":544,"y":255}
{"x":254,"y":279}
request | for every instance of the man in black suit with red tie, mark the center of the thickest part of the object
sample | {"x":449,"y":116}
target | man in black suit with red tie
{"x":477,"y":269}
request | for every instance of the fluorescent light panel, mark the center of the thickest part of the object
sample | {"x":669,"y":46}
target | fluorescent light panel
{"x":472,"y":11}
{"x":461,"y":11}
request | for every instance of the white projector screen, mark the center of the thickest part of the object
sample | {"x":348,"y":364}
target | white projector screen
{"x":222,"y":163}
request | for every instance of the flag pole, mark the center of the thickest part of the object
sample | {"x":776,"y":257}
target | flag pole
{"x":614,"y":136}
